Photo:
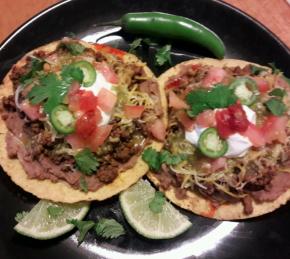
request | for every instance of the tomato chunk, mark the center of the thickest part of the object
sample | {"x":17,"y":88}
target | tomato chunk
{"x":107,"y":72}
{"x":99,"y":136}
{"x":262,"y":84}
{"x":87,"y":123}
{"x":186,"y":122}
{"x":175,"y":83}
{"x":158,"y":129}
{"x":176,"y":102}
{"x":106,"y":48}
{"x":88,"y":101}
{"x":106,"y":100}
{"x":75,"y":141}
{"x":214,"y":76}
{"x":255,"y":135}
{"x":133,"y":111}
{"x":218,"y":164}
{"x":274,"y":128}
{"x":206,"y":119}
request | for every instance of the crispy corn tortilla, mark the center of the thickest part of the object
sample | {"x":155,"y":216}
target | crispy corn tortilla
{"x":62,"y":191}
{"x":196,"y":203}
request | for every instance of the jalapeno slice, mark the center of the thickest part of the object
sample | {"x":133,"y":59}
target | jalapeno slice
{"x":245,"y":89}
{"x":62,"y":119}
{"x":89,"y":72}
{"x":211,"y":145}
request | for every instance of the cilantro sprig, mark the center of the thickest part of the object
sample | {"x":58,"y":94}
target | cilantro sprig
{"x":278,"y":92}
{"x":218,"y":97}
{"x":255,"y":70}
{"x":51,"y":89}
{"x":157,"y":203}
{"x":276,"y":106}
{"x":36,"y":66}
{"x":106,"y":228}
{"x":86,"y":161}
{"x":155,"y":159}
{"x":163,"y":56}
{"x":74,"y":48}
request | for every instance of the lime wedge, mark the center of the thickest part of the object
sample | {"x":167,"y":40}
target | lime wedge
{"x":40,"y":224}
{"x":164,"y":225}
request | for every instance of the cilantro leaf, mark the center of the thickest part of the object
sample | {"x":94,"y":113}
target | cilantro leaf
{"x":218,"y":97}
{"x":135,"y":44}
{"x":83,"y":226}
{"x":155,"y":159}
{"x":157,"y":203}
{"x":163,"y":56}
{"x":20,"y":215}
{"x":36,"y":65}
{"x":86,"y":161}
{"x":256,"y":70}
{"x":109,"y":228}
{"x":74,"y":48}
{"x":274,"y":68}
{"x":83,"y":184}
{"x":278,"y":92}
{"x":72,"y":73}
{"x":152,"y":158}
{"x":54,"y":211}
{"x":275,"y":106}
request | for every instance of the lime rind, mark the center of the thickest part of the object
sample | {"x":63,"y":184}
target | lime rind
{"x":135,"y":205}
{"x":39,"y":224}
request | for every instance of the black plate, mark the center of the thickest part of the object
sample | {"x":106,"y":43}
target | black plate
{"x":265,"y":237}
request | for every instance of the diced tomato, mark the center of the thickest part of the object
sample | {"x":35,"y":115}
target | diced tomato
{"x":176,"y":102}
{"x":87,"y":123}
{"x":175,"y":83}
{"x":133,"y":111}
{"x":214,"y":75}
{"x":99,"y":136}
{"x":218,"y":164}
{"x":106,"y":100}
{"x":231,"y":120}
{"x":32,"y":111}
{"x":75,"y":141}
{"x":206,"y":119}
{"x":74,"y":88}
{"x":106,"y":48}
{"x":88,"y":101}
{"x":158,"y":129}
{"x":255,"y":135}
{"x":186,"y":122}
{"x":262,"y":84}
{"x":281,"y":82}
{"x":107,"y":72}
{"x":274,"y":128}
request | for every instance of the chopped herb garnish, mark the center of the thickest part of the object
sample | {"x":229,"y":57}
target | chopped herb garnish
{"x":83,"y":226}
{"x":219,"y":97}
{"x":157,"y":203}
{"x":51,"y":90}
{"x":74,"y":48}
{"x":20,"y":215}
{"x":278,"y":92}
{"x":163,"y":56}
{"x":275,"y":70}
{"x":86,"y":161}
{"x":257,"y":70}
{"x":275,"y":106}
{"x":36,"y":65}
{"x":83,"y":184}
{"x":135,"y":44}
{"x":109,"y":228}
{"x":155,"y":159}
{"x":54,"y":211}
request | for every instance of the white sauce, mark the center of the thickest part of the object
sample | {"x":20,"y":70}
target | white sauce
{"x":95,"y":88}
{"x":238,"y":144}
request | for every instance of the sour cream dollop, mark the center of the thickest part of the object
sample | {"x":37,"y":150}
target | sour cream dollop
{"x":95,"y":88}
{"x":238,"y":145}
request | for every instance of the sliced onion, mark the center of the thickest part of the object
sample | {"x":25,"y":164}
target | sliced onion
{"x":16,"y":98}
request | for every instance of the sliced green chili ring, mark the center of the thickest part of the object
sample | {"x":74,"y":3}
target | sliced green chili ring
{"x":211,"y":145}
{"x":89,"y":72}
{"x":245,"y":89}
{"x":62,"y":120}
